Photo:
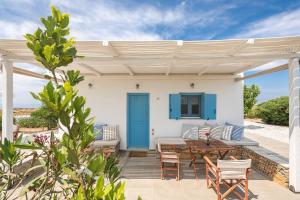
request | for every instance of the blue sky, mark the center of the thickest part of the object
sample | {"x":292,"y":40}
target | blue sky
{"x":153,"y":20}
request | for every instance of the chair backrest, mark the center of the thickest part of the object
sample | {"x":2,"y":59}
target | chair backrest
{"x":233,"y":164}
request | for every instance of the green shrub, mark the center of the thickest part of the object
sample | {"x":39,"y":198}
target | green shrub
{"x":44,"y":114}
{"x":32,"y":122}
{"x":250,"y":94}
{"x":252,"y":114}
{"x":275,"y":111}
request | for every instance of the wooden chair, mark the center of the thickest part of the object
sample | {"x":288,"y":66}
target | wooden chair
{"x":169,"y":161}
{"x":232,"y":173}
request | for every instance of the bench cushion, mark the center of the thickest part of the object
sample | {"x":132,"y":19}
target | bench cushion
{"x":103,"y":143}
{"x":243,"y":142}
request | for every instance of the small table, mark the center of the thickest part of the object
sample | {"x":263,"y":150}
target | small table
{"x":201,"y":148}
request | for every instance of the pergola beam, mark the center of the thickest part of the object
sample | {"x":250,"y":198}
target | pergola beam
{"x":110,"y":48}
{"x":168,"y":58}
{"x":178,"y":47}
{"x":203,"y":71}
{"x":90,"y":68}
{"x":130,"y":71}
{"x":17,"y":70}
{"x":267,"y":71}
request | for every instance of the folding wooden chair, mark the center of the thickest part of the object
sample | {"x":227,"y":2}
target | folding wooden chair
{"x":169,"y":161}
{"x":233,"y":174}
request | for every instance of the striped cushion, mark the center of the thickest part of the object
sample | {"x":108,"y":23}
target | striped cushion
{"x":190,"y":131}
{"x":227,"y":131}
{"x":237,"y":132}
{"x":202,"y":131}
{"x":216,"y":131}
{"x":110,"y":133}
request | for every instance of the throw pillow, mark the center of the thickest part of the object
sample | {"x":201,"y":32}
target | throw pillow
{"x":110,"y":133}
{"x":216,"y":131}
{"x":98,"y":131}
{"x":227,"y":131}
{"x":237,"y":132}
{"x":190,"y":131}
{"x":202,"y":130}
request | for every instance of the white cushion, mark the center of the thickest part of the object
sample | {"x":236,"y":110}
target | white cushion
{"x":242,"y":142}
{"x":110,"y":133}
{"x":102,"y":143}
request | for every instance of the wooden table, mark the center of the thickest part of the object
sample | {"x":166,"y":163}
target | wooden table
{"x":215,"y":146}
{"x":199,"y":147}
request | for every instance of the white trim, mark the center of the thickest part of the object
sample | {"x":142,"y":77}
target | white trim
{"x":7,"y":98}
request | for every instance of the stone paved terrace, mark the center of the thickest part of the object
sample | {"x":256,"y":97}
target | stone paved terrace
{"x":272,"y":137}
{"x":142,"y":177}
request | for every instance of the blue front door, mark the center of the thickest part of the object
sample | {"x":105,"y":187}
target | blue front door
{"x":138,"y":121}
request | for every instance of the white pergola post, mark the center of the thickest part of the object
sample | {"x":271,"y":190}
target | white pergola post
{"x":294,"y":125}
{"x":7,"y":98}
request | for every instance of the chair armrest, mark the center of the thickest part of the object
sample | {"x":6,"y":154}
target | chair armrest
{"x":212,"y":165}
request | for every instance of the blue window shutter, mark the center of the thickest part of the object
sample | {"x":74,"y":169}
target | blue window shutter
{"x":174,"y":106}
{"x":210,"y":106}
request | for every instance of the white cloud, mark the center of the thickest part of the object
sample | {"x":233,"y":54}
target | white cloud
{"x":109,"y":21}
{"x":16,"y":30}
{"x":283,"y":24}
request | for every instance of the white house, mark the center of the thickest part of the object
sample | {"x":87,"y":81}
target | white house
{"x":150,"y":88}
{"x":141,"y":106}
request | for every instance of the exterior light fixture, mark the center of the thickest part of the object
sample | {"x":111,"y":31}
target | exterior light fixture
{"x":137,"y":86}
{"x":192,"y":85}
{"x":90,"y":85}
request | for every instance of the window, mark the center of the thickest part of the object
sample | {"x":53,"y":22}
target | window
{"x":190,"y":106}
{"x":193,"y":105}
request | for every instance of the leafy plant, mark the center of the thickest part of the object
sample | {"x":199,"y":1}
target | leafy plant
{"x":43,"y":114}
{"x":250,"y":95}
{"x":71,"y":169}
{"x":10,"y":158}
{"x":275,"y":111}
{"x":32,"y":122}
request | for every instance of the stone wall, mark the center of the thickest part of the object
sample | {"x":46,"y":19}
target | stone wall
{"x":268,"y":164}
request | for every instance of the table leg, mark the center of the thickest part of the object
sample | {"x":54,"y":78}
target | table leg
{"x":222,"y":156}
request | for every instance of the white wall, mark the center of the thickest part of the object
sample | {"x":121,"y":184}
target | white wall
{"x":107,"y":99}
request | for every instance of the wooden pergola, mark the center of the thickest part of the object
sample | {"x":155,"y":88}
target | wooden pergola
{"x":211,"y":59}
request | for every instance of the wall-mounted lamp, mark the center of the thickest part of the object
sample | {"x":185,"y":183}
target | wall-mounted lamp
{"x":90,"y":85}
{"x":192,"y":85}
{"x":137,"y":86}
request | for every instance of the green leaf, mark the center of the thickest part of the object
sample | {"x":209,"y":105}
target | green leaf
{"x":80,"y":194}
{"x":47,"y":52}
{"x":27,"y":146}
{"x":97,"y":165}
{"x":71,"y":51}
{"x":99,"y":188}
{"x":65,"y":21}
